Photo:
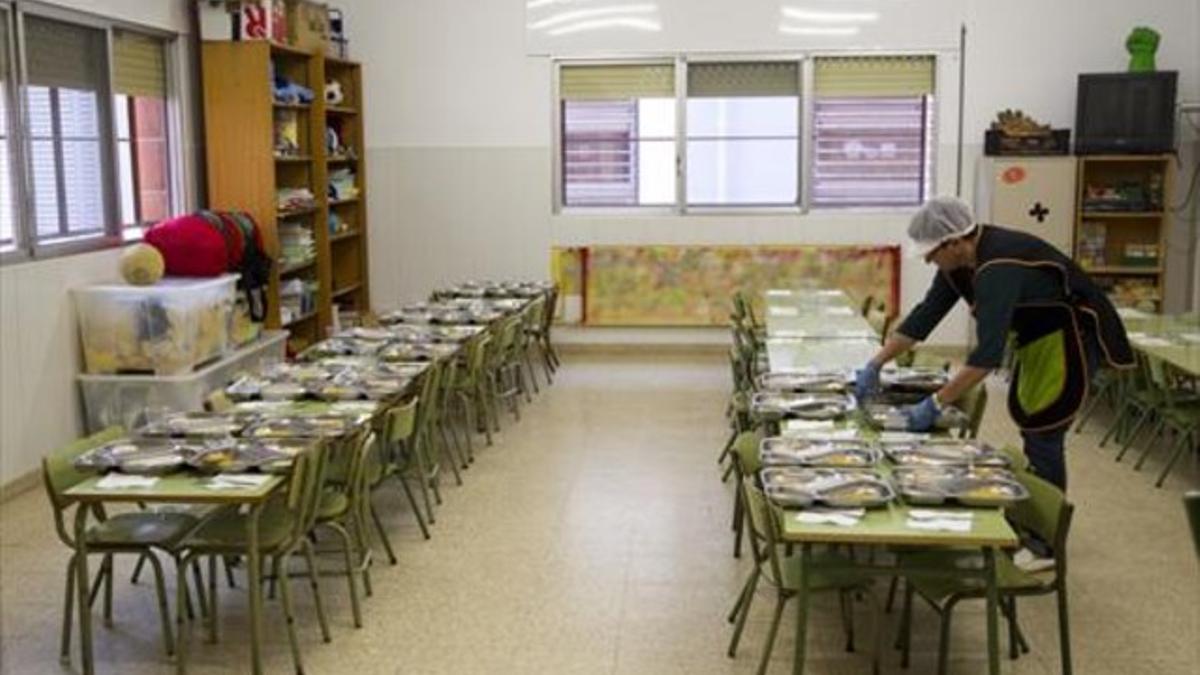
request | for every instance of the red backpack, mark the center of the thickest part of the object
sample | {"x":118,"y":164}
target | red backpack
{"x":212,"y":243}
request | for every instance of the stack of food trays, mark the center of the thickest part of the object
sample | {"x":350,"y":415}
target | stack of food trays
{"x":966,"y":472}
{"x":815,"y":451}
{"x":799,"y":487}
{"x":328,"y":380}
{"x":303,"y":426}
{"x":197,"y":424}
{"x":428,"y":333}
{"x":913,"y":379}
{"x":266,"y":456}
{"x":809,"y":406}
{"x":343,"y":345}
{"x":813,"y":381}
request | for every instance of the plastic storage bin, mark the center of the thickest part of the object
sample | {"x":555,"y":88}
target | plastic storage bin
{"x":165,"y":329}
{"x":119,"y":399}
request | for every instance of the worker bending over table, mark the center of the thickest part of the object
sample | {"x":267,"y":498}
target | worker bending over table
{"x":1063,"y":323}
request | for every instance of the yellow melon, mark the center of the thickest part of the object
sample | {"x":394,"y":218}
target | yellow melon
{"x":142,"y":265}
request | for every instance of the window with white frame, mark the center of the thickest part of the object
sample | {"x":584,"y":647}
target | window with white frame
{"x":871,"y":133}
{"x":95,"y":134}
{"x":743,"y":133}
{"x":618,"y":135}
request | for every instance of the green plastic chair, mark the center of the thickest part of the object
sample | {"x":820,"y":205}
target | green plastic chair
{"x":533,"y":330}
{"x":1140,"y":401}
{"x":784,"y":575}
{"x":344,"y":507}
{"x":745,"y":462}
{"x":548,"y":313}
{"x":284,"y":525}
{"x":424,"y":466}
{"x":1179,"y":413}
{"x":505,"y":381}
{"x":1047,"y":514}
{"x":140,"y":533}
{"x":392,"y":459}
{"x":470,"y":389}
{"x":1191,"y":503}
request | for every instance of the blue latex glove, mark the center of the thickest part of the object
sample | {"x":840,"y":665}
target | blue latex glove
{"x":866,"y":381}
{"x":922,"y":416}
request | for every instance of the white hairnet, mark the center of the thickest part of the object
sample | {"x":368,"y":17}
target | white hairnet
{"x":939,"y":220}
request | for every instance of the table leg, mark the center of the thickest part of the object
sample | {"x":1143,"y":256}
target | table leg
{"x":254,"y":580}
{"x":993,"y":633}
{"x":82,"y":588}
{"x":802,"y":610}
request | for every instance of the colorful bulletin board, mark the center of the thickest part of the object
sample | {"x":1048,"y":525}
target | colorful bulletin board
{"x":691,"y":285}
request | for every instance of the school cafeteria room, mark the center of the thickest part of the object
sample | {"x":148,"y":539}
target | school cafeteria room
{"x":599,"y":337}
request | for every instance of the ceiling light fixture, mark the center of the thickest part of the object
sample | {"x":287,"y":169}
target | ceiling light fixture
{"x":585,"y":14}
{"x":835,"y":31}
{"x":829,"y":17}
{"x":615,"y":22}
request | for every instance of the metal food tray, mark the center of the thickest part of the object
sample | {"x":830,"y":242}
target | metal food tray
{"x":302,"y":426}
{"x":833,"y":381}
{"x":944,"y":452}
{"x":795,"y":487}
{"x":342,"y":346}
{"x":266,"y":456}
{"x":913,"y":379}
{"x":135,"y":456}
{"x":809,"y":406}
{"x":970,"y":486}
{"x":198,"y":424}
{"x":891,"y":417}
{"x":790,"y":451}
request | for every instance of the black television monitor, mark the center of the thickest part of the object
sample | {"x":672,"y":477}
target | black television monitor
{"x":1125,"y":113}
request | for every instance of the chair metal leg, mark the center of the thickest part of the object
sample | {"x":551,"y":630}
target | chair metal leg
{"x":289,"y":616}
{"x":212,"y":599}
{"x":137,"y":569}
{"x":1181,"y":445}
{"x":164,"y":613}
{"x":944,"y":638}
{"x":347,"y":545}
{"x":1155,"y":434}
{"x":64,"y":654}
{"x":447,"y":453}
{"x":1134,"y":432}
{"x":107,"y":570}
{"x":742,"y":609}
{"x":739,"y":523}
{"x":904,"y":638}
{"x":891,"y":596}
{"x":387,"y":545}
{"x":412,"y":502}
{"x":313,"y":576}
{"x":423,"y":477}
{"x":228,"y":563}
{"x":1064,"y":630}
{"x":780,"y":601}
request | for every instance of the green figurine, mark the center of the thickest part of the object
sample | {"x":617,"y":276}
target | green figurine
{"x":1142,"y":43}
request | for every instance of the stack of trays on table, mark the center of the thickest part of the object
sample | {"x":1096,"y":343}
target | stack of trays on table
{"x":967,"y":472}
{"x":890,"y":417}
{"x":428,"y":351}
{"x":809,"y":406}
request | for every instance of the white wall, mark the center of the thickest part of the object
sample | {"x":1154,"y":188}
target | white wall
{"x":39,"y":345}
{"x":458,"y":134}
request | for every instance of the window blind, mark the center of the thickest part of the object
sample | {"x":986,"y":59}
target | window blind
{"x":7,"y":212}
{"x":64,"y":55}
{"x":616,"y":82}
{"x":763,"y":78}
{"x":139,"y":65}
{"x":873,"y":76}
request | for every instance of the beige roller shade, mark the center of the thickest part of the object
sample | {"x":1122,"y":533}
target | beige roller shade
{"x":594,"y":83}
{"x":139,"y":65}
{"x":874,"y":76}
{"x":63,"y":55}
{"x":761,"y":78}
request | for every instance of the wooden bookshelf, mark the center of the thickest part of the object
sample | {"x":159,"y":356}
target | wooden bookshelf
{"x":244,"y":171}
{"x":1122,"y":240}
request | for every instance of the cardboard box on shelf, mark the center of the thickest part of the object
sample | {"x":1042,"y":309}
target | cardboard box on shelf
{"x":262,"y":20}
{"x":308,"y":25}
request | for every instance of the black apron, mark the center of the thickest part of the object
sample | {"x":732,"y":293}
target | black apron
{"x":1050,"y":379}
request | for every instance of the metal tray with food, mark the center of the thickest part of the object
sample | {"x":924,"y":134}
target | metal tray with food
{"x":892,"y":418}
{"x":295,"y":372}
{"x":197,"y":424}
{"x":417,"y":352}
{"x":810,"y":406}
{"x":797,"y":487}
{"x":140,"y":456}
{"x":944,"y":452}
{"x":268,"y":456}
{"x":970,"y":486}
{"x":791,"y":451}
{"x":342,"y":346}
{"x":828,"y":381}
{"x":302,"y":426}
{"x":913,"y":379}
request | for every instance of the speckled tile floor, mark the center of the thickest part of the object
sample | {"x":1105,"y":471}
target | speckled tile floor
{"x":593,"y":538}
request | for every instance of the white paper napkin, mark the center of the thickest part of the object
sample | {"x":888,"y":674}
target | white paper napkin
{"x":236,"y":481}
{"x":939,"y":524}
{"x":783,"y":311}
{"x":117,"y":481}
{"x":1152,"y":341}
{"x":840,"y":517}
{"x":1190,"y":337}
{"x":939,"y":514}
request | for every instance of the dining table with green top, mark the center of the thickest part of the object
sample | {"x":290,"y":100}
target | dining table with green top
{"x":176,"y":489}
{"x":889,"y":527}
{"x":1173,"y":339}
